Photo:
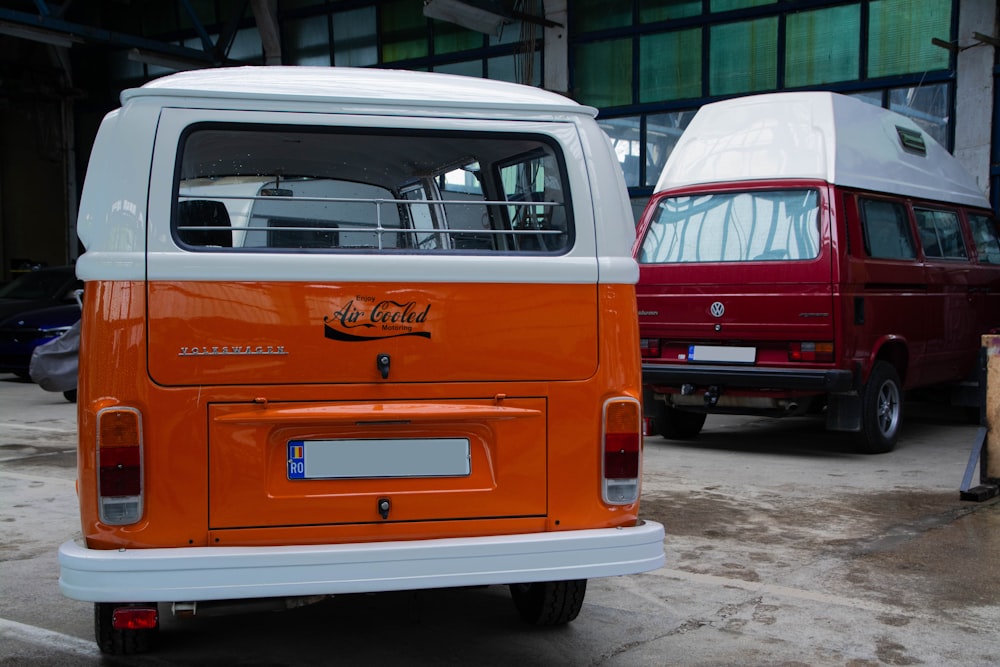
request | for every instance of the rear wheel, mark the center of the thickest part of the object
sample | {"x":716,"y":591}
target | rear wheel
{"x":549,"y":603}
{"x":120,"y":642}
{"x":881,"y":410}
{"x":677,"y":424}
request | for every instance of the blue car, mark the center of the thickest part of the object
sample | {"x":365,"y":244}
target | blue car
{"x":41,"y":288}
{"x":21,"y":333}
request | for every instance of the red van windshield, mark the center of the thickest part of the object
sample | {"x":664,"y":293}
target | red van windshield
{"x":751,"y":226}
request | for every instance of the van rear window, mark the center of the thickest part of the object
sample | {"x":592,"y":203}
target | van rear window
{"x":751,"y":226}
{"x":283,"y":189}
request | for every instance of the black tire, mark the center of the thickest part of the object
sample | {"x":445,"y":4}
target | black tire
{"x":549,"y":603}
{"x":70,"y":395}
{"x":881,"y":410}
{"x":119,"y":642}
{"x":677,"y":424}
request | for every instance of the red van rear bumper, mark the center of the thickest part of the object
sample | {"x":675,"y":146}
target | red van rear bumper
{"x":748,"y":377}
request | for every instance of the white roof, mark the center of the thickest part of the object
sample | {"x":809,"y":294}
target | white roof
{"x":349,"y":85}
{"x":822,"y":135}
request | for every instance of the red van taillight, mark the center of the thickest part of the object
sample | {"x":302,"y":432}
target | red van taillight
{"x":119,"y":465}
{"x":810,"y":352}
{"x":649,"y":347}
{"x":622,"y":450}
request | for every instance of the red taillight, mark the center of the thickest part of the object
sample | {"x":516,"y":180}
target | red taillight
{"x":120,"y":471}
{"x":649,"y":347}
{"x":119,"y":465}
{"x":135,"y":618}
{"x":621,"y":455}
{"x":810,"y":352}
{"x":622,"y":439}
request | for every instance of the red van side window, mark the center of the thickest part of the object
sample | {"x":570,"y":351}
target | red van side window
{"x":940,"y":234}
{"x":984,"y":234}
{"x":886,"y":230}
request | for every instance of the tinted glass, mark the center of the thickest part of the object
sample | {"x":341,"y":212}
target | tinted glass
{"x":270,"y":188}
{"x":984,"y":235}
{"x":940,"y":234}
{"x":886,"y":230}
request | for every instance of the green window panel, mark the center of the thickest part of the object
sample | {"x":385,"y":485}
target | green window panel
{"x":466,"y":68}
{"x":670,"y":65}
{"x":664,"y":10}
{"x":520,"y":68}
{"x":743,"y":57}
{"x":822,"y":46}
{"x":355,"y":38}
{"x":449,"y":38}
{"x":729,"y":5}
{"x":404,"y":31}
{"x":900,"y":33}
{"x":588,"y":15}
{"x":603,"y":73}
{"x":307,"y":42}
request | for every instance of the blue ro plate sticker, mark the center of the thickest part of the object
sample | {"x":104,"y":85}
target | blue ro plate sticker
{"x":296,"y":460}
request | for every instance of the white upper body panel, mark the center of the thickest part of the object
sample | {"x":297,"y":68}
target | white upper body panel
{"x":816,"y":135}
{"x":125,"y":208}
{"x":377,"y":89}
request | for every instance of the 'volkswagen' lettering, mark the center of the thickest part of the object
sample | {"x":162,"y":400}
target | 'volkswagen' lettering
{"x":230,"y":350}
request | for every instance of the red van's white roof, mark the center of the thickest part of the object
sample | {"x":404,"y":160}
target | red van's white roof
{"x":822,"y":135}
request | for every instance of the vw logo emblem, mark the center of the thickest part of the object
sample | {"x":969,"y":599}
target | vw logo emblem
{"x":717,"y":309}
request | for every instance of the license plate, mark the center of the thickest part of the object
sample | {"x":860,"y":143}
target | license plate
{"x":722,"y":353}
{"x":372,"y":459}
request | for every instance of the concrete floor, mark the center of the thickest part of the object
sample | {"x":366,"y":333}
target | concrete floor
{"x":784,"y":547}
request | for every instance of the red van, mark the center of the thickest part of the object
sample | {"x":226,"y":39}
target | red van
{"x":809,"y":252}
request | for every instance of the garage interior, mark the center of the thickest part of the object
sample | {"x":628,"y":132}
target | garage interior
{"x":647,"y":65}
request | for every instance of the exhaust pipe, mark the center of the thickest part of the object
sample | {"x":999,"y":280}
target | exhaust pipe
{"x":252,"y":605}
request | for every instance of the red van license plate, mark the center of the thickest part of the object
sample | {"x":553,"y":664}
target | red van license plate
{"x":722,"y":353}
{"x":369,"y":459}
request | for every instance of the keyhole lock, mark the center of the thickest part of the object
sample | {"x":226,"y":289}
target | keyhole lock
{"x":382,"y":362}
{"x":383,"y":507}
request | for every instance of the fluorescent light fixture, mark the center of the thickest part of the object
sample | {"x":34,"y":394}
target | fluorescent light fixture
{"x":43,"y":35}
{"x":465,"y":15}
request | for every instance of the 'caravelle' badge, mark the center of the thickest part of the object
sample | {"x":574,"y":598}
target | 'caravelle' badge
{"x":367,"y":318}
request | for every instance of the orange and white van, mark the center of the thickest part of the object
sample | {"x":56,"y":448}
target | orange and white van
{"x":353,"y":331}
{"x":808,"y":252}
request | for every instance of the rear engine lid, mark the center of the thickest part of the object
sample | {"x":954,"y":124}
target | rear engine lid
{"x":288,"y":464}
{"x":223,"y":333}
